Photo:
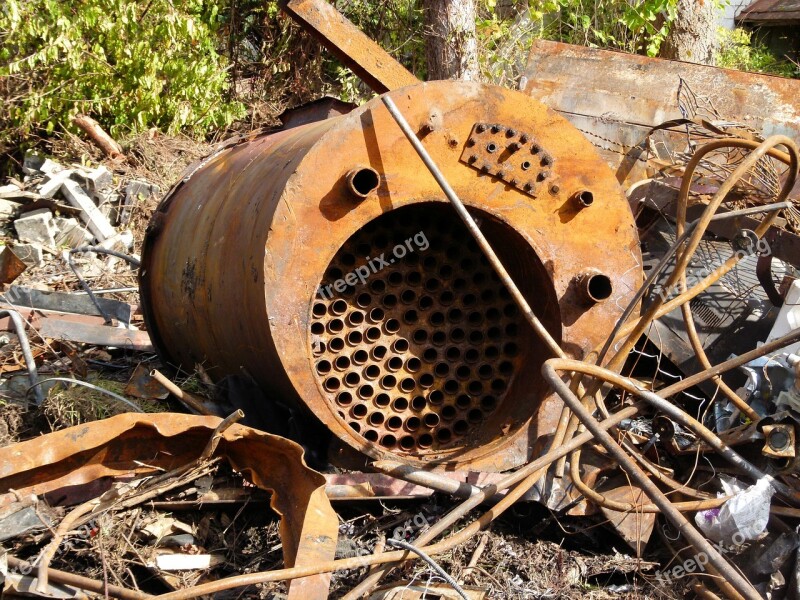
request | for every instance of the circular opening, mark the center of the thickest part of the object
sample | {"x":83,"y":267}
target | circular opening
{"x":408,"y":296}
{"x":355,"y":318}
{"x":425,"y":302}
{"x":463,"y":401}
{"x":488,"y":403}
{"x":373,"y":334}
{"x":413,"y":277}
{"x":335,"y":325}
{"x":461,"y":427}
{"x":408,"y":384}
{"x":485,"y":371}
{"x":407,"y":443}
{"x":342,"y":363}
{"x":390,"y":300}
{"x":344,"y":398}
{"x":388,"y":441}
{"x":362,"y":182}
{"x":439,"y":338}
{"x":420,"y":336}
{"x":598,"y":287}
{"x":339,"y":307}
{"x":436,"y":397}
{"x":392,"y":326}
{"x":388,"y":382}
{"x":382,"y":400}
{"x":323,"y":367}
{"x":354,"y":338}
{"x":430,"y":355}
{"x":359,"y":411}
{"x":475,"y":416}
{"x":418,"y":403}
{"x":475,"y":387}
{"x":425,"y":440}
{"x":451,"y":386}
{"x":371,"y":435}
{"x":360,"y":357}
{"x":413,"y":364}
{"x":400,"y":404}
{"x":426,"y":380}
{"x":442,"y":369}
{"x":458,"y":335}
{"x":372,"y":371}
{"x":376,"y":419}
{"x":378,"y":352}
{"x":317,"y":328}
{"x":394,"y":423}
{"x":463,"y":372}
{"x":411,"y":317}
{"x":319,"y":309}
{"x":395,"y":278}
{"x":449,"y":412}
{"x":363,"y":300}
{"x":377,"y":286}
{"x":365,"y":392}
{"x":454,"y":315}
{"x":394,"y":364}
{"x":584,"y":198}
{"x":453,"y":353}
{"x":413,"y":423}
{"x":443,"y":436}
{"x":336,"y":344}
{"x":332,"y":384}
{"x":400,"y":345}
{"x":376,"y":315}
{"x":472,"y":355}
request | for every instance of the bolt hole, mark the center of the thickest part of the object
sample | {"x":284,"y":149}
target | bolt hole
{"x":362,"y":182}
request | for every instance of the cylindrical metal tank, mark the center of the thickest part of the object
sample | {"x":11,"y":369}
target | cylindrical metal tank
{"x":325,"y":261}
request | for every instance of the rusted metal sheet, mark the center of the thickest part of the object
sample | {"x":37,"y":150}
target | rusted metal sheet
{"x":771,"y":12}
{"x":379,"y":70}
{"x":326,"y":264}
{"x":615,"y":99}
{"x":99,"y":335}
{"x":56,"y":464}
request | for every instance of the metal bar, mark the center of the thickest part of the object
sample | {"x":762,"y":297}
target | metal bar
{"x":379,"y":70}
{"x":700,"y":543}
{"x":540,"y":330}
{"x":30,"y":364}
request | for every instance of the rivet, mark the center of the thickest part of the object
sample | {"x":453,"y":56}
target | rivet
{"x":554,"y":189}
{"x":535,"y":149}
{"x":524,"y":138}
{"x":471,"y":141}
{"x":497,"y":128}
{"x":480,"y":128}
{"x":472,"y":158}
{"x":546,"y":161}
{"x":514,"y":146}
{"x":511,"y":133}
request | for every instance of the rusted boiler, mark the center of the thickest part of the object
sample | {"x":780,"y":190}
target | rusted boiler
{"x":325,"y":261}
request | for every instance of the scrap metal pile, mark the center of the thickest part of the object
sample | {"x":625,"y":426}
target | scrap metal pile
{"x":455,"y":289}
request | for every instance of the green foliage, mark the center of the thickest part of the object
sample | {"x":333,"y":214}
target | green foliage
{"x":131,"y":65}
{"x":738,"y":51}
{"x":631,"y":25}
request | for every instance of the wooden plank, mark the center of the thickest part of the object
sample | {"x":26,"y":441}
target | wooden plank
{"x":615,"y":98}
{"x":379,"y":70}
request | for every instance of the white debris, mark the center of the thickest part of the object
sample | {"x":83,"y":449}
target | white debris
{"x":30,"y":254}
{"x":96,"y":221}
{"x":71,"y":233}
{"x":53,"y":182}
{"x":36,"y":227}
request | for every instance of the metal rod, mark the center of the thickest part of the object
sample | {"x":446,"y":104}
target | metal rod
{"x":534,"y":321}
{"x":188,"y":399}
{"x":30,"y":364}
{"x":700,"y":543}
{"x":91,"y":386}
{"x":433,"y":564}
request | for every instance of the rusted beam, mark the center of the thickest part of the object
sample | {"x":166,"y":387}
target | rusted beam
{"x":379,"y":70}
{"x":616,"y":98}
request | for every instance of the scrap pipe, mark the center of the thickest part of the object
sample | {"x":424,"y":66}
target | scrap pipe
{"x":540,"y":329}
{"x":700,"y":543}
{"x":768,"y":348}
{"x":30,"y":364}
{"x":672,"y":411}
{"x":185,"y":397}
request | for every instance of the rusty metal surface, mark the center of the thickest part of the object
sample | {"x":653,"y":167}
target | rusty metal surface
{"x":425,"y":358}
{"x":771,"y":12}
{"x":379,"y":70}
{"x":616,"y":98}
{"x":127,"y":445}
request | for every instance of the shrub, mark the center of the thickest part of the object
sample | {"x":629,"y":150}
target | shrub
{"x":131,"y":65}
{"x":739,"y":51}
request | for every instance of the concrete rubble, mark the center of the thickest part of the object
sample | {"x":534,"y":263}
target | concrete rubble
{"x":63,"y":207}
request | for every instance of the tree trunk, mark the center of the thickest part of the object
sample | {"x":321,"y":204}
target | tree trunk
{"x":693,"y":35}
{"x":451,"y":48}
